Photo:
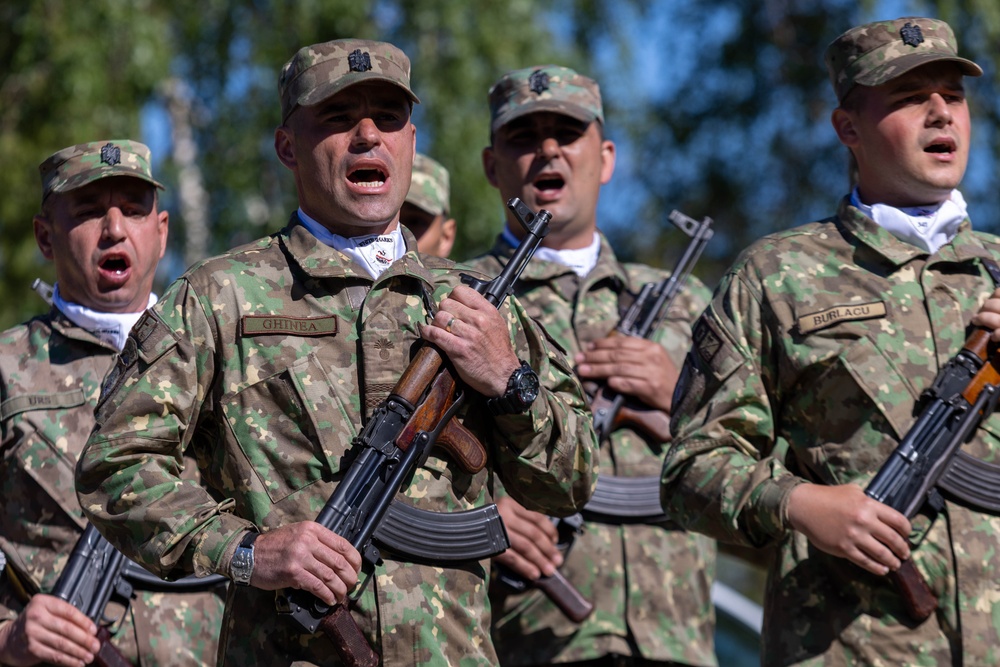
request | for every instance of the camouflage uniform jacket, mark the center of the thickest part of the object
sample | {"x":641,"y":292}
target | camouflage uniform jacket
{"x":650,"y":584}
{"x":268,"y":360}
{"x":807,"y":367}
{"x":50,"y":379}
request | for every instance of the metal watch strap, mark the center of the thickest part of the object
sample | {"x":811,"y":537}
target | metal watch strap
{"x":241,"y":567}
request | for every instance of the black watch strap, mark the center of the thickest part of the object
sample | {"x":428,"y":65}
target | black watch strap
{"x":522,"y":389}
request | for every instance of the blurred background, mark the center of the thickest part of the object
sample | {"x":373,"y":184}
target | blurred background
{"x":719,"y":108}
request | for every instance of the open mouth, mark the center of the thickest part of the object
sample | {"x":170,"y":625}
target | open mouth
{"x":115,"y":265}
{"x":944,"y":146}
{"x":368,"y":178}
{"x":549,"y":182}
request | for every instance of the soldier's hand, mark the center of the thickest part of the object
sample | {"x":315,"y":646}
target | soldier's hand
{"x":843,"y":521}
{"x":988,"y":316}
{"x":49,"y":630}
{"x":308,"y":556}
{"x":632,"y":366}
{"x":533,"y":538}
{"x":474,"y":336}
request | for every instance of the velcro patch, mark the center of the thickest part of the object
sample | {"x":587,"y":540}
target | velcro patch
{"x":836,"y":314}
{"x":260,"y":325}
{"x":705,"y":340}
{"x":16,"y":404}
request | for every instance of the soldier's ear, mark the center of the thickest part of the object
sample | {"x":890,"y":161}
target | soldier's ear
{"x":490,"y":166}
{"x":608,"y":155}
{"x":43,"y":235}
{"x":843,"y":125}
{"x":448,"y":233}
{"x":284,"y":146}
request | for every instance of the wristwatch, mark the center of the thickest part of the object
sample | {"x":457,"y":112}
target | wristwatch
{"x":241,"y":566}
{"x":522,"y":390}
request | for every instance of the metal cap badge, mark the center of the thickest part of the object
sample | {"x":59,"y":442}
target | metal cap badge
{"x":875,"y":53}
{"x":544,"y":88}
{"x":317,"y":72}
{"x":81,"y":164}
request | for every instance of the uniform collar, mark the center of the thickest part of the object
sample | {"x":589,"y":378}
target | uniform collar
{"x":965,"y":246}
{"x":66,"y":327}
{"x":607,"y":267}
{"x":318,"y":260}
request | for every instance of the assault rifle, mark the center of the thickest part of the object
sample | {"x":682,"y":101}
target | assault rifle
{"x":927,"y":461}
{"x":96,"y":572}
{"x":611,"y":409}
{"x":397,"y":439}
{"x":622,"y":499}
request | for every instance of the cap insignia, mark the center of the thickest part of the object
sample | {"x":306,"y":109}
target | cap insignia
{"x":911,"y":34}
{"x":359,"y":61}
{"x":111,"y":154}
{"x":538,"y":82}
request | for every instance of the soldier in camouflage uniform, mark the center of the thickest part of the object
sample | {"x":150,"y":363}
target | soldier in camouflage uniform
{"x":101,"y":227}
{"x":269,"y":359}
{"x":426,"y":210}
{"x":806,"y":369}
{"x":649,"y":582}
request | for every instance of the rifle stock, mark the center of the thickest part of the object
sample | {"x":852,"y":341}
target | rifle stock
{"x":566,"y":596}
{"x":417,"y":414}
{"x":918,"y":598}
{"x":108,"y":655}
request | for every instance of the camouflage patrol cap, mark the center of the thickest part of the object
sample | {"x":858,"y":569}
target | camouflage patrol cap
{"x":429,"y":186}
{"x":874,"y":53}
{"x":544,"y":88}
{"x":79,"y":165}
{"x":316,"y":72}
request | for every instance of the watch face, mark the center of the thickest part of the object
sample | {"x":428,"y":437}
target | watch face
{"x":528,"y":388}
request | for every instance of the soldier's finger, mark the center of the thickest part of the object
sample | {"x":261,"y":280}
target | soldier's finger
{"x":331,"y":567}
{"x":339,"y":545}
{"x":62,"y":649}
{"x":539,"y":523}
{"x":52,"y":621}
{"x":311,"y":583}
{"x":542,"y":555}
{"x":896,"y":548}
{"x":882,"y":555}
{"x":513,"y":560}
{"x":465,"y":309}
{"x":863,"y":559}
{"x":469,"y":298}
{"x":893,"y":531}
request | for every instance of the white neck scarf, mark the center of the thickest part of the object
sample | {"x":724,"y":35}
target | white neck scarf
{"x":110,"y":328}
{"x":374,"y":252}
{"x":581,"y":260}
{"x":927,"y":227}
